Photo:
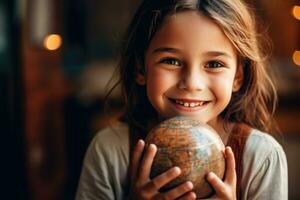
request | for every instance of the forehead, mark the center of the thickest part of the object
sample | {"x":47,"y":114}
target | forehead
{"x":191,"y":30}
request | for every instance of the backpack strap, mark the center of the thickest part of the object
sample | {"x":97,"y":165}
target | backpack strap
{"x":237,"y":141}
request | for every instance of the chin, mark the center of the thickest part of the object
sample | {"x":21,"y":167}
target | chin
{"x":195,"y":117}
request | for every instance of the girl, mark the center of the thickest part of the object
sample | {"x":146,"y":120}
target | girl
{"x":201,"y":59}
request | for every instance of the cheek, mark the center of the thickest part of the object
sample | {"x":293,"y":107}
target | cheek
{"x":158,"y":82}
{"x":222,"y":86}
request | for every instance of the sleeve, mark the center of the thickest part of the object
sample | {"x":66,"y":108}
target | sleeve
{"x":271,"y":179}
{"x":95,"y":182}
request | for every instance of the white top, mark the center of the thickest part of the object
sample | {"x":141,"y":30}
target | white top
{"x":104,"y":172}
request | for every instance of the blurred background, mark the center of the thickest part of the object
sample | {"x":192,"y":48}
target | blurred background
{"x":56,"y":57}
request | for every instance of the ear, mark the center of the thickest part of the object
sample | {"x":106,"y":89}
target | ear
{"x":140,"y":79}
{"x":238,"y":79}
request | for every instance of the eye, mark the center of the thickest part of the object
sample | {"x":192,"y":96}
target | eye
{"x":214,"y":65}
{"x":171,"y":61}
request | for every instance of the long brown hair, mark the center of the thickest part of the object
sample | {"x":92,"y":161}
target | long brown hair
{"x":254,"y":104}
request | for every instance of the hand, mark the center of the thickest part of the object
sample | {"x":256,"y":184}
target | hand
{"x":142,"y":187}
{"x":225,"y":190}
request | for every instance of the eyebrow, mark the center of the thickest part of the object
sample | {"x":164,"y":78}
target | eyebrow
{"x":208,"y":53}
{"x":218,"y":53}
{"x":166,"y":49}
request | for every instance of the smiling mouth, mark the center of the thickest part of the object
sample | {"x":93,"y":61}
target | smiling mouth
{"x":189,"y":103}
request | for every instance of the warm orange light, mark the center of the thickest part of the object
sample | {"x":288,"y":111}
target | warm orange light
{"x":296,"y":12}
{"x":53,"y":42}
{"x":296,"y":57}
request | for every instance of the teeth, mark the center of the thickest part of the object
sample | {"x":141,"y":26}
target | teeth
{"x":193,"y":104}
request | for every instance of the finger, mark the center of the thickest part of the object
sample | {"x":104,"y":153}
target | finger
{"x":136,"y":157}
{"x":156,"y":183}
{"x":217,"y":184}
{"x":188,"y":196}
{"x":178,"y":191}
{"x":146,"y":163}
{"x":230,"y":176}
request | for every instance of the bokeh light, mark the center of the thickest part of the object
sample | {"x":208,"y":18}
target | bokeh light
{"x":296,"y":57}
{"x":53,"y":42}
{"x":296,"y":12}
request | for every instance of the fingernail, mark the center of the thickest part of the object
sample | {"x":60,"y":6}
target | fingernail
{"x":228,"y":148}
{"x":140,"y":141}
{"x":190,"y":184}
{"x":194,"y":195}
{"x":177,"y":170}
{"x":210,"y":176}
{"x":152,"y":146}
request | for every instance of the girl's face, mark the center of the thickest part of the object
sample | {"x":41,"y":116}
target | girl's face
{"x":191,"y":68}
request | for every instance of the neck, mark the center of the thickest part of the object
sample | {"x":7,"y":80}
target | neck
{"x":218,"y":126}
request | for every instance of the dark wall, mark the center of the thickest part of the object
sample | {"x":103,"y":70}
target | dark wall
{"x":13,"y":177}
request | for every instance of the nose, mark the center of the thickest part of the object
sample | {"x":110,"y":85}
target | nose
{"x":192,"y":80}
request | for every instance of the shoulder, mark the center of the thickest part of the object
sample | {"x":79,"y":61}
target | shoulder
{"x":109,"y":146}
{"x":111,"y":140}
{"x":264,"y":167}
{"x":260,"y":145}
{"x":104,"y":170}
{"x":114,"y":135}
{"x":107,"y":156}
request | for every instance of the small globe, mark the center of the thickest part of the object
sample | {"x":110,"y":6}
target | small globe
{"x":192,"y":146}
